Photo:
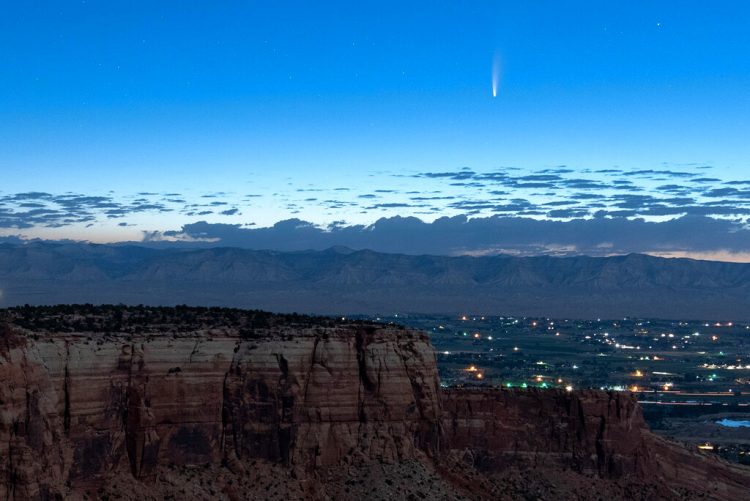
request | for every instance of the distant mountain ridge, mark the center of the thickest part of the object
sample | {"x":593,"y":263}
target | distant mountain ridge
{"x":346,"y":281}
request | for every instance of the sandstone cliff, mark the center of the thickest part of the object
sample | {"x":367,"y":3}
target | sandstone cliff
{"x":78,"y":406}
{"x":593,"y":433}
{"x":137,"y":403}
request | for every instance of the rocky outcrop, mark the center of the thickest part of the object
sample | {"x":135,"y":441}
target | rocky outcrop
{"x":76,"y":407}
{"x":226,"y":404}
{"x":597,"y":434}
{"x":594,"y":432}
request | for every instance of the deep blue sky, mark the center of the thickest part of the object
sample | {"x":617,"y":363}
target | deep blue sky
{"x":110,"y":99}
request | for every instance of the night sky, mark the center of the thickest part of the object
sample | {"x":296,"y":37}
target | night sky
{"x":616,"y":126}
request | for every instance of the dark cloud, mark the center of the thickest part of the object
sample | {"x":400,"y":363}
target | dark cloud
{"x":567,"y":213}
{"x":392,"y":205}
{"x":558,"y":203}
{"x":473,"y":184}
{"x":658,"y":173}
{"x":557,"y":170}
{"x":532,"y":185}
{"x":588,"y":196}
{"x":417,"y":199}
{"x":675,"y":189}
{"x":540,"y":177}
{"x":705,"y":180}
{"x":455,"y":176}
{"x":680,"y":201}
{"x":583,"y":184}
{"x":727,"y":193}
{"x":40,"y":209}
{"x":600,"y":235}
{"x":631,"y":201}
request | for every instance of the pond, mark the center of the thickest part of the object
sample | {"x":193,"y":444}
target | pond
{"x":733,"y":423}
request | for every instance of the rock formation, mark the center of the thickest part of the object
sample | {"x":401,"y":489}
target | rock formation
{"x":129,"y":402}
{"x":594,"y":433}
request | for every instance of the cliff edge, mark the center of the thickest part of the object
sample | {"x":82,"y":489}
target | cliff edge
{"x":135,"y":402}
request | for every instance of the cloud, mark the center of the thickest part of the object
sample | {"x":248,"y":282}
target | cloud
{"x":40,"y":209}
{"x":659,"y":173}
{"x":727,"y":193}
{"x":494,"y":234}
{"x":520,"y":211}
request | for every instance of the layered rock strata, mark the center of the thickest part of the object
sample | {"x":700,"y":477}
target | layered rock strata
{"x":77,"y":406}
{"x":597,"y":434}
{"x":156,"y":402}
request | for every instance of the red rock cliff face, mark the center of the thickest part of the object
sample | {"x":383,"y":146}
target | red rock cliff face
{"x":78,"y":409}
{"x":599,"y":434}
{"x":592,"y":431}
{"x":75,"y":408}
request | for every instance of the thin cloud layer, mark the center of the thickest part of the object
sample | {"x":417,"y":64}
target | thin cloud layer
{"x":45,"y":210}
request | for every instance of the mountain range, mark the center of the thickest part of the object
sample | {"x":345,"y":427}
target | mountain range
{"x":345,"y":281}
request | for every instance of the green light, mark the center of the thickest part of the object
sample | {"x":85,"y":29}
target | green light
{"x":524,"y":385}
{"x":509,"y":385}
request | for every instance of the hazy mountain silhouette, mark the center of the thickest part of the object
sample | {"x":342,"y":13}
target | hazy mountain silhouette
{"x":344,"y":281}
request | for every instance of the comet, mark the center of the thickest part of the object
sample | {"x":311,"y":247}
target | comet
{"x":495,"y":74}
